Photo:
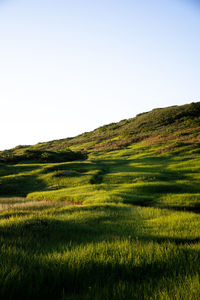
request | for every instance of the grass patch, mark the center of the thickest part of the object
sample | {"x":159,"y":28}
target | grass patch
{"x":99,"y":251}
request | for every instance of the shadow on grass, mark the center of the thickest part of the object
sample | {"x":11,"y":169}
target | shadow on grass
{"x":40,"y":279}
{"x":163,"y":239}
{"x":10,"y":169}
{"x":35,"y":266}
{"x":157,"y":181}
{"x":33,"y":251}
{"x":54,"y":232}
{"x":76,"y":166}
{"x":152,"y":165}
{"x":7,"y":215}
{"x":20,"y":185}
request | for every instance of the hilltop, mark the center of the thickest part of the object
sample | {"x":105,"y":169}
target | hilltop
{"x":180,"y":123}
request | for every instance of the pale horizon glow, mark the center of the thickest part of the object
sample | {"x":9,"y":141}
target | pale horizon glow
{"x":67,"y":67}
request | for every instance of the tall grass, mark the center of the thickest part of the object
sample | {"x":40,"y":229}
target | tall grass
{"x":121,"y":225}
{"x":96,"y":252}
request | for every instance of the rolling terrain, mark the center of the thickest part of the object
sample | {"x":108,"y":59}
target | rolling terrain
{"x":112,"y":213}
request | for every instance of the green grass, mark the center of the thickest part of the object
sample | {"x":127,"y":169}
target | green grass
{"x":122,"y":224}
{"x":130,"y":235}
{"x":124,"y":176}
{"x":99,"y":251}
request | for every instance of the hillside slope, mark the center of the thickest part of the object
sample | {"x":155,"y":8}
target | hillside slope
{"x":176,"y":122}
{"x":120,"y":224}
{"x":154,"y":161}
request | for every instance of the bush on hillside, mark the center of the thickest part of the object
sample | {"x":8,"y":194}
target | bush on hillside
{"x":42,"y":156}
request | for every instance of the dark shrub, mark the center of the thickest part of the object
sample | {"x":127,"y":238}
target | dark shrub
{"x":42,"y":156}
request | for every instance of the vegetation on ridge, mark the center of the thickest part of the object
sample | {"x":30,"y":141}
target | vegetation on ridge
{"x":160,"y":123}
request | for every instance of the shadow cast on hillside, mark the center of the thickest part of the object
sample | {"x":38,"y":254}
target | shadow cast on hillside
{"x":153,"y":174}
{"x":47,"y":276}
{"x":55,"y":233}
{"x":158,"y":180}
{"x":195,"y":209}
{"x":20,"y":185}
{"x":10,"y":169}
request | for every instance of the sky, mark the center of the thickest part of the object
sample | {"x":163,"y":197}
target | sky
{"x":67,"y":67}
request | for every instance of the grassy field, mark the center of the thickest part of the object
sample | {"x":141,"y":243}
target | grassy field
{"x":119,"y":220}
{"x":120,"y":225}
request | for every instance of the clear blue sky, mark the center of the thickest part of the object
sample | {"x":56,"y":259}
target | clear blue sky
{"x":67,"y":67}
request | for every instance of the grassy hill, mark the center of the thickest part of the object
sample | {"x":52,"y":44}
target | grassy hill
{"x":116,"y":216}
{"x":176,"y":122}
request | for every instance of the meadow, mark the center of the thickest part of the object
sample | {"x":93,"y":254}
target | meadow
{"x":118,"y":221}
{"x":122,"y":224}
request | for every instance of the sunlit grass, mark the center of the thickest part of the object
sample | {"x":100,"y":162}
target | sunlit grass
{"x":117,"y":226}
{"x":100,"y":251}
